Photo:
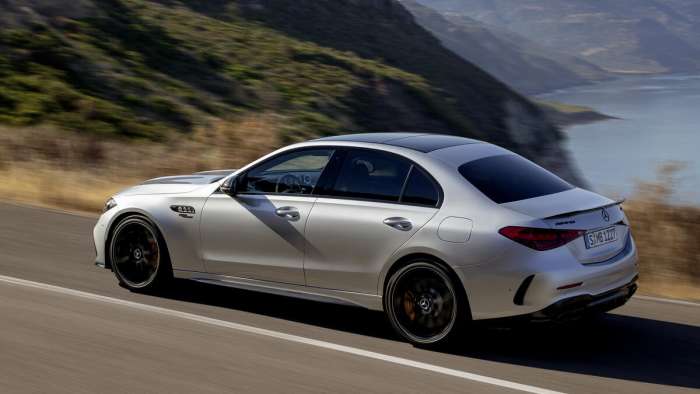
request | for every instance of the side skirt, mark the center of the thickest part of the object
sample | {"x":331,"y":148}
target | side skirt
{"x":368,"y":301}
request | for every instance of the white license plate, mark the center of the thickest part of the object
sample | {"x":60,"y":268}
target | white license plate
{"x":600,"y":237}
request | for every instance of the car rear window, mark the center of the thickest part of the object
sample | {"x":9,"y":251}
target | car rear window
{"x":508,"y":178}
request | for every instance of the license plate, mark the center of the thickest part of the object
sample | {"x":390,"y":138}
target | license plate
{"x":600,"y":237}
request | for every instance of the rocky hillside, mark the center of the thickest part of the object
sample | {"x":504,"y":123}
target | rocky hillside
{"x":161,"y":69}
{"x":623,"y":36}
{"x":522,"y":63}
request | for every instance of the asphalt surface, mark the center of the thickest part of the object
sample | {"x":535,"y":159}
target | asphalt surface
{"x":59,"y":342}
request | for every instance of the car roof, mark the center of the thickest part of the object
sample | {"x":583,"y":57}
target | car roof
{"x":422,"y":142}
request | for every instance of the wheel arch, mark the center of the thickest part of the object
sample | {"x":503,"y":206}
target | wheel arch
{"x":118,"y":219}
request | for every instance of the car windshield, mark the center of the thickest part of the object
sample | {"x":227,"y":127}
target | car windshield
{"x":508,"y":178}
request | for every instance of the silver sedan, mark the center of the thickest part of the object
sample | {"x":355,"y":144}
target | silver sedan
{"x":435,"y":230}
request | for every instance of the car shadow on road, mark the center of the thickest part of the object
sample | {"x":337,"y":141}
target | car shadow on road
{"x":611,"y":346}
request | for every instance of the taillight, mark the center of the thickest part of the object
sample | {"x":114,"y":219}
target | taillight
{"x":540,"y":238}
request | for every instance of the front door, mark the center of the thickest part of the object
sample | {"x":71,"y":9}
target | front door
{"x":259,"y":233}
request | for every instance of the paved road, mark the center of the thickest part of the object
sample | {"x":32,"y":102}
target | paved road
{"x":54,"y":340}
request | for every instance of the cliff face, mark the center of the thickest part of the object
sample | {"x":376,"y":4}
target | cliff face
{"x":148,"y":69}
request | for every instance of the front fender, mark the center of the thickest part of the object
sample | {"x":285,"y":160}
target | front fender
{"x":181,"y":233}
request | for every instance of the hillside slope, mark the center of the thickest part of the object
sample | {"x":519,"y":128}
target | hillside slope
{"x":521,"y":63}
{"x":162,"y":69}
{"x":623,"y":36}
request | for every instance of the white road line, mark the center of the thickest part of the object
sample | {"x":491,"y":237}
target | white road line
{"x":280,"y":335}
{"x":667,"y":301}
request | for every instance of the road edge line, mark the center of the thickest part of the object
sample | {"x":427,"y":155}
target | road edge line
{"x":280,"y":335}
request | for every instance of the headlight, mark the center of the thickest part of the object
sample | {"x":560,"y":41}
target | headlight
{"x":109,"y":205}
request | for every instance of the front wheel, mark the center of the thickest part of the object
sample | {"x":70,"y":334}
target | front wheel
{"x":138,"y":255}
{"x":423,"y":304}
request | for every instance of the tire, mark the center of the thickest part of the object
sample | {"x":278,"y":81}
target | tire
{"x":424,"y":305}
{"x":139,"y":256}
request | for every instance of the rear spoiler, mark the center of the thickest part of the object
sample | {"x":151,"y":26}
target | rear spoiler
{"x":563,"y":215}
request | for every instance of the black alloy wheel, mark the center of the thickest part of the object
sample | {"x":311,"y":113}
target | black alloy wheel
{"x":423,"y":304}
{"x":138,"y":255}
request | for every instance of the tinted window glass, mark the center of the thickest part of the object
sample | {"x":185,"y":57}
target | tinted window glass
{"x":420,"y":189}
{"x":371,"y":175}
{"x":510,"y":178}
{"x":291,"y":173}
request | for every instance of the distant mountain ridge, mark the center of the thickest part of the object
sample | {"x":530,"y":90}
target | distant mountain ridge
{"x":514,"y":59}
{"x":621,"y":36}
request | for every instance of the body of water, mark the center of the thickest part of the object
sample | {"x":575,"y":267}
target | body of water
{"x":659,"y":122}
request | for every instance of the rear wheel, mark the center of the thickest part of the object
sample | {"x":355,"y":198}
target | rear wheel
{"x":138,"y":255}
{"x":423,"y":304}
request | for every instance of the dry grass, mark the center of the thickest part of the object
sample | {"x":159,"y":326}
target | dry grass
{"x":668,"y":239}
{"x":74,"y":171}
{"x":77,"y":172}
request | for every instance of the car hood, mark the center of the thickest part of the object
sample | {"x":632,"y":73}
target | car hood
{"x":176,"y":184}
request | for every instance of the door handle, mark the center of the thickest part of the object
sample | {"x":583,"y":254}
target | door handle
{"x":289,"y":213}
{"x":402,"y":224}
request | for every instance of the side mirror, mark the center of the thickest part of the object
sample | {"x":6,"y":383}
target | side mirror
{"x":230,"y":186}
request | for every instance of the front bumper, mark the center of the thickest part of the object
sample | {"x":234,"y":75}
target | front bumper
{"x":99,"y":237}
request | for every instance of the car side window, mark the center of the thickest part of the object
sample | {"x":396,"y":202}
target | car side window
{"x":420,"y":189}
{"x":291,"y":173}
{"x":371,"y":175}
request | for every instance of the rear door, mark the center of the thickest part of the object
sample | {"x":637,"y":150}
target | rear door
{"x":371,"y":206}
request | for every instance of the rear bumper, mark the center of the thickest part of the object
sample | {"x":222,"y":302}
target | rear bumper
{"x":579,"y":306}
{"x":524,"y":283}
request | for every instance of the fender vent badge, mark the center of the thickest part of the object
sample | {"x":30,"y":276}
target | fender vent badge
{"x":185,"y":211}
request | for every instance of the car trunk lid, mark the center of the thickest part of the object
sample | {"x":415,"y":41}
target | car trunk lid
{"x":602,"y":220}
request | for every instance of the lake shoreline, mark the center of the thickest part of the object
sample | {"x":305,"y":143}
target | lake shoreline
{"x":582,"y":115}
{"x":564,"y":115}
{"x":657,"y":117}
{"x":567,"y":121}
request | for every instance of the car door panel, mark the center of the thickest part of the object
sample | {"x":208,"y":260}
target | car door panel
{"x":256,"y":236}
{"x":349,"y":243}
